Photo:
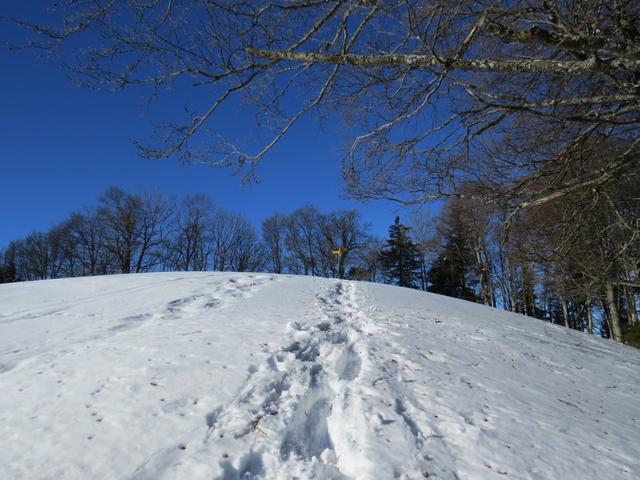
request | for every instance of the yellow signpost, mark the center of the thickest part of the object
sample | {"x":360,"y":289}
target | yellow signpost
{"x":338,"y":252}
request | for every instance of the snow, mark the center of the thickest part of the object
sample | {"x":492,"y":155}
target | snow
{"x":229,"y":376}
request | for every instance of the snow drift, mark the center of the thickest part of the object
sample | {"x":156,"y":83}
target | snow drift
{"x":229,"y":376}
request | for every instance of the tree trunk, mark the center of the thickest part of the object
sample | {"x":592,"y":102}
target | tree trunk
{"x":485,"y":284}
{"x":606,"y":316}
{"x":565,"y":312}
{"x":614,"y":317}
{"x":512,"y":289}
{"x":514,"y":303}
{"x":631,"y":305}
{"x":589,"y":317}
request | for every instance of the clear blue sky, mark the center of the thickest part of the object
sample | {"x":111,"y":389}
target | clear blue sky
{"x":62,"y":146}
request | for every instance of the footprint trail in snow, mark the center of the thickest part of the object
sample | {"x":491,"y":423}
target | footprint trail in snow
{"x":317,"y":408}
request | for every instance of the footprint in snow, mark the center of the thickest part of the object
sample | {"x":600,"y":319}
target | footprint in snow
{"x":250,"y":466}
{"x":349,"y":365}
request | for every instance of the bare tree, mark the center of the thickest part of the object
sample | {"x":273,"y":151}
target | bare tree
{"x":189,"y":245}
{"x":41,"y":255}
{"x":366,"y":262}
{"x":234,"y":244}
{"x":273,"y":235}
{"x":64,"y":248}
{"x":120,"y":212}
{"x":586,"y":248}
{"x":152,"y":230}
{"x":343,"y":231}
{"x":302,"y":240}
{"x":478,"y":220}
{"x":135,"y":228}
{"x":247,"y":254}
{"x":438,"y":92}
{"x":36,"y":258}
{"x":89,"y":231}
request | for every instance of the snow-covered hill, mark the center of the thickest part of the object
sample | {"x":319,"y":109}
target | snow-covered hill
{"x":226,"y":376}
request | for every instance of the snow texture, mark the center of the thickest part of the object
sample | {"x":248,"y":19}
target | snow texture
{"x":243,"y":376}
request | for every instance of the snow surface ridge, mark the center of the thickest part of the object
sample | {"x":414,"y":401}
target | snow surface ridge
{"x":250,"y":376}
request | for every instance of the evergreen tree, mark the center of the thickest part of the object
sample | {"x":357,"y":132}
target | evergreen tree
{"x":400,"y":260}
{"x":448,"y":273}
{"x":8,"y":273}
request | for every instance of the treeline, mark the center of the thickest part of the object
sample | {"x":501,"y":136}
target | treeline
{"x":135,"y":233}
{"x":574,"y":263}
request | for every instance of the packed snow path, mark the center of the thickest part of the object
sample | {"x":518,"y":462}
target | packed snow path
{"x":234,"y":376}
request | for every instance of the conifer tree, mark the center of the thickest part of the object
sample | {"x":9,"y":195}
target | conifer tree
{"x":8,"y":273}
{"x":400,"y":259}
{"x":449,"y":271}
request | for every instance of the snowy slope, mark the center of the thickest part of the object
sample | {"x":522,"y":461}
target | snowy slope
{"x":227,"y":376}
